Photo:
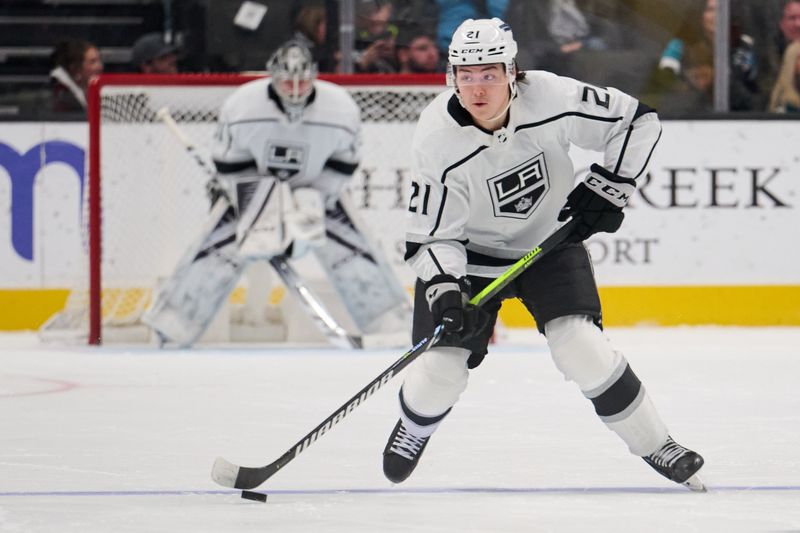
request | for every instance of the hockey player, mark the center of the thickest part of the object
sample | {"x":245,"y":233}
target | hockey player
{"x":492,"y":179}
{"x":284,"y":149}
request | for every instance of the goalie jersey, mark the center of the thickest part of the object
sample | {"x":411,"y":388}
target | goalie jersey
{"x":480,"y":200}
{"x":322,"y":150}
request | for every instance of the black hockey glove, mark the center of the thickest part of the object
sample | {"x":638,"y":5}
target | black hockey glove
{"x":448,"y":299}
{"x":597,"y":202}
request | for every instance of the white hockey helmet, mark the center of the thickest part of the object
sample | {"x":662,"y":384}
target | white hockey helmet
{"x":293,"y":72}
{"x":482,"y":42}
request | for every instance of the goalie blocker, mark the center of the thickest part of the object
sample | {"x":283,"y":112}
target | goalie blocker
{"x":275,"y":222}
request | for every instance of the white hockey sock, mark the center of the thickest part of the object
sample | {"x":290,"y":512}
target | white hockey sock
{"x":639,"y":426}
{"x":432,"y":386}
{"x":584,"y":355}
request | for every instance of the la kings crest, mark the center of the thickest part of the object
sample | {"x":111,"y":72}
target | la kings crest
{"x":517,"y":192}
{"x":286,"y":159}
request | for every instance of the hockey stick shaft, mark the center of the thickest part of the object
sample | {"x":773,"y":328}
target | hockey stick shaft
{"x":228,"y":474}
{"x":164,"y":115}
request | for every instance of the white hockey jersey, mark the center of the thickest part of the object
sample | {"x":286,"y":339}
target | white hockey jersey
{"x":320,"y":151}
{"x":481,"y":200}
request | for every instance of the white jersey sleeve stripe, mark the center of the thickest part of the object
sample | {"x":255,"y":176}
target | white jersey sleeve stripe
{"x":628,"y":152}
{"x":444,"y":187}
{"x":441,"y":210}
{"x":565,"y":115}
{"x":435,"y":261}
{"x":622,"y":150}
{"x":461,"y":162}
{"x":650,"y":154}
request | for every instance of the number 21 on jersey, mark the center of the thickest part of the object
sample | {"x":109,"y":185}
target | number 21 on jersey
{"x":414,"y":201}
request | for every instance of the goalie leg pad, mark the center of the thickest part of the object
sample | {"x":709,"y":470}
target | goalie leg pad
{"x":186,"y":302}
{"x":364,"y":280}
{"x":434,"y":383}
{"x":583,"y":354}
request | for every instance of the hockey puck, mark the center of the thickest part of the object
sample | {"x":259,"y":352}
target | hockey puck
{"x":255,"y":496}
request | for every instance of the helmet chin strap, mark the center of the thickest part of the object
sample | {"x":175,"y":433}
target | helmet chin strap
{"x":503,"y":112}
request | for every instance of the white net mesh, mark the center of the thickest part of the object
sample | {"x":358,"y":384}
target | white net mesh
{"x":153,"y":193}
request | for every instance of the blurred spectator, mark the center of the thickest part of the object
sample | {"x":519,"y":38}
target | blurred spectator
{"x":152,"y":55}
{"x":417,"y":52}
{"x":786,"y":93}
{"x":76,"y":62}
{"x":782,"y":34}
{"x":311,"y":29}
{"x":423,"y":14}
{"x":375,"y":37}
{"x":790,"y":21}
{"x":684,"y":78}
{"x":552,"y":34}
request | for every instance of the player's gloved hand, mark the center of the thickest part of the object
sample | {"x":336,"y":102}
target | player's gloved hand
{"x":448,"y":299}
{"x":216,"y":190}
{"x":597,"y":202}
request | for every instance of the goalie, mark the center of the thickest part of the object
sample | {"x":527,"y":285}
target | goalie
{"x":284,"y":149}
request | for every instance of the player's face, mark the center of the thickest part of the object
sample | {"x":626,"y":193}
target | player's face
{"x":294,"y":88}
{"x":91,"y":67}
{"x":423,"y":54}
{"x":484,"y":93}
{"x":790,"y":22}
{"x":710,"y":17}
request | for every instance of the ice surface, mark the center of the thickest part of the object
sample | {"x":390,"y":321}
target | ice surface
{"x":123,"y":439}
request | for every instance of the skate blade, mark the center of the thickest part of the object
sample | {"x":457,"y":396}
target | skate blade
{"x":695,"y":484}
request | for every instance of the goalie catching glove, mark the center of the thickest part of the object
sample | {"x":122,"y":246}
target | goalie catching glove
{"x":597,"y":202}
{"x":448,"y":299}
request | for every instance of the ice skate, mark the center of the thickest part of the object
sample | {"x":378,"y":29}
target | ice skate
{"x":678,"y":464}
{"x":402,"y":453}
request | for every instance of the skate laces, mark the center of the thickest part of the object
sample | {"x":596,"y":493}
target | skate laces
{"x":405,"y":444}
{"x":668,"y":454}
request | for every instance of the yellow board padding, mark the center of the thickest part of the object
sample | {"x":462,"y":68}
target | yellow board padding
{"x":761,"y":305}
{"x":29,"y":308}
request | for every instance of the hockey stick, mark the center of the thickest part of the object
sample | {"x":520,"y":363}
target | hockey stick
{"x":335,"y":333}
{"x":228,"y":474}
{"x":165,"y":117}
{"x":332,"y":331}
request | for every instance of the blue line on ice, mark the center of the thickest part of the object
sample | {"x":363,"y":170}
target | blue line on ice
{"x":421,"y":490}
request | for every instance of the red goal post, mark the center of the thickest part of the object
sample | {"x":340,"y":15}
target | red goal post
{"x":127,"y":104}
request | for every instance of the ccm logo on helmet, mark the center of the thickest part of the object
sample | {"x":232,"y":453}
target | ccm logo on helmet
{"x":471,"y":50}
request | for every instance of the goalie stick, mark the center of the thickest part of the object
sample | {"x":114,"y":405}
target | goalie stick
{"x":228,"y":474}
{"x":333,"y":332}
{"x":164,"y":115}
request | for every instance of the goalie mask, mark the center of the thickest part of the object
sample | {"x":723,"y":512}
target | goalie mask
{"x":293,"y":71}
{"x":483,"y":42}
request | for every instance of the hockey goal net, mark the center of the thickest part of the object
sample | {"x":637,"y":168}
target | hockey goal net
{"x":145,"y":200}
